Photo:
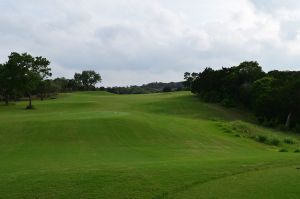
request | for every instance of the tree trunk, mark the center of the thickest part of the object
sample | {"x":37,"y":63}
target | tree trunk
{"x":30,"y":103}
{"x":288,"y":120}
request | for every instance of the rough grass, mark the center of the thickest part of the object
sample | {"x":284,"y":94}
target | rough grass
{"x":99,"y":145}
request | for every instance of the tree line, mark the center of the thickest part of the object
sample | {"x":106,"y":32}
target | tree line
{"x":26,"y":76}
{"x":154,"y":87}
{"x":274,"y":96}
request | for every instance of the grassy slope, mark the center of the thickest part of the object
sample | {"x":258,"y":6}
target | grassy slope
{"x":97,"y":145}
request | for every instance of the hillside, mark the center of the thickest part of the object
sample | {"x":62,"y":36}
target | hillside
{"x":170,"y":145}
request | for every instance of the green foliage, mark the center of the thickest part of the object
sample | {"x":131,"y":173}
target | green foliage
{"x":283,"y":150}
{"x":189,"y":78}
{"x":275,"y":141}
{"x":26,"y":76}
{"x":87,"y":80}
{"x":262,"y":138}
{"x":167,"y":89}
{"x":273,"y":97}
{"x":289,"y":141}
{"x":154,"y":87}
{"x":22,"y":74}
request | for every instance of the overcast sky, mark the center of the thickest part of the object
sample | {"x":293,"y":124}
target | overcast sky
{"x":139,"y":41}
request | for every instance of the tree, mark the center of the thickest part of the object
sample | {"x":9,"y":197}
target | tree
{"x":274,"y":97}
{"x":189,"y":78}
{"x":61,"y":84}
{"x":8,"y":82}
{"x":87,"y":79}
{"x":78,"y":81}
{"x":26,"y":72}
{"x":5,"y":88}
{"x":45,"y":88}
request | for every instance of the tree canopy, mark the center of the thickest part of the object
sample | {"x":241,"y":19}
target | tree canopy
{"x":87,"y":79}
{"x":22,"y":73}
{"x":274,"y":96}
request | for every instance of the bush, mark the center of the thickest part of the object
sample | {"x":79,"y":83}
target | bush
{"x":261,"y":138}
{"x":225,"y":130}
{"x":297,"y":128}
{"x":283,"y":150}
{"x":227,"y":103}
{"x":179,"y":89}
{"x":270,"y":123}
{"x":30,"y":107}
{"x":167,"y":89}
{"x":275,"y":142}
{"x":289,"y":141}
{"x":282,"y":127}
{"x":297,"y":151}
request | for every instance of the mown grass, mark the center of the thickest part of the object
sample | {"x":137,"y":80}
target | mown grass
{"x":99,"y":145}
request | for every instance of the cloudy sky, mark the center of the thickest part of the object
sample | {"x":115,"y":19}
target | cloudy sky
{"x":139,"y":41}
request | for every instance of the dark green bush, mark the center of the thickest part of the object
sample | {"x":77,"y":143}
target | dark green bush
{"x":167,"y":89}
{"x":227,"y":103}
{"x":297,"y":128}
{"x":275,"y":142}
{"x":261,"y":138}
{"x":283,"y":150}
{"x":297,"y":151}
{"x":289,"y":141}
{"x":282,"y":127}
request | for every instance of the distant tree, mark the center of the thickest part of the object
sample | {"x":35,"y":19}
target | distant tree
{"x":87,"y":79}
{"x":72,"y":85}
{"x":78,"y":81}
{"x":6,"y":83}
{"x":45,"y":88}
{"x":265,"y":104}
{"x":188,"y":79}
{"x":90,"y":79}
{"x":61,"y":84}
{"x":167,"y":89}
{"x":274,"y":97}
{"x":102,"y":88}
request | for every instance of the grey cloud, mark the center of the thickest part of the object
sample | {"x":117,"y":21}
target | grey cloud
{"x":148,"y":40}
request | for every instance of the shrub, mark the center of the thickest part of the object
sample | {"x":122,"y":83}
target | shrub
{"x":275,"y":142}
{"x":30,"y":107}
{"x":283,"y":150}
{"x":297,"y":128}
{"x":282,"y":127}
{"x":227,"y":130}
{"x":297,"y":151}
{"x":261,"y":138}
{"x":227,"y":103}
{"x":167,"y":89}
{"x":289,"y":141}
